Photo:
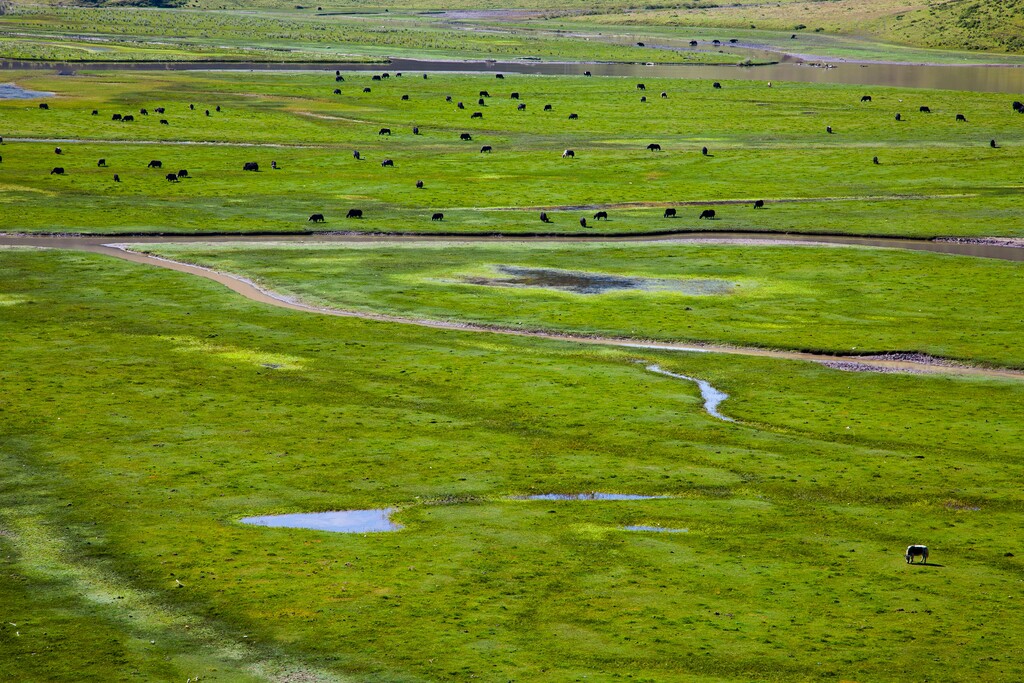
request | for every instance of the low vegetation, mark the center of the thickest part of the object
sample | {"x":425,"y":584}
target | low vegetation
{"x":936,"y":176}
{"x":159,"y":422}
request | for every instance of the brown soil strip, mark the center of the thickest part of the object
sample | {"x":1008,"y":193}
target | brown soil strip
{"x":255,"y":292}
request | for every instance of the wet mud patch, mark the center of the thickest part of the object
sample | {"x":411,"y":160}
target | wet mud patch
{"x":579,"y":282}
{"x":342,"y":521}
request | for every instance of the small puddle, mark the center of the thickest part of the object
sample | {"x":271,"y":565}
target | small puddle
{"x":10,"y":91}
{"x":587,"y":496}
{"x":344,"y":521}
{"x":594,"y":283}
{"x":661,"y":529}
{"x":712,"y":397}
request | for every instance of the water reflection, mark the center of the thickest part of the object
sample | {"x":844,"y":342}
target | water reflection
{"x":976,"y":78}
{"x":345,"y":521}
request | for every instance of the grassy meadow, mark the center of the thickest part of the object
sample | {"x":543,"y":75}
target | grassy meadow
{"x":792,"y":297}
{"x":158,"y":423}
{"x":936,"y":176}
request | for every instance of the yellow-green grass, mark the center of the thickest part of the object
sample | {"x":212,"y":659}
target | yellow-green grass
{"x":843,"y":300}
{"x":128,"y":457}
{"x":935,"y":177}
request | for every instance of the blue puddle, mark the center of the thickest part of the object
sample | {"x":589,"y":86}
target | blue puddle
{"x":344,"y":521}
{"x":10,"y":91}
{"x":639,"y":527}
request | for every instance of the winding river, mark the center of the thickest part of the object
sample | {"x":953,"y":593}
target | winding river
{"x":254,"y":292}
{"x":976,"y":78}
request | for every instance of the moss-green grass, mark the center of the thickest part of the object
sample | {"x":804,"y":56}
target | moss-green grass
{"x":846,"y":300}
{"x":135,"y":453}
{"x":936,"y":176}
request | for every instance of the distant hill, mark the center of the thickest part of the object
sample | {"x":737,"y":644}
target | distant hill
{"x":962,"y":24}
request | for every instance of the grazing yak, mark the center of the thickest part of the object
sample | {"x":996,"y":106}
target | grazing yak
{"x":521,"y":107}
{"x":415,"y":130}
{"x":251,"y":166}
{"x":961,"y":117}
{"x":385,"y":75}
{"x":44,"y":105}
{"x":117,"y":178}
{"x":484,"y":93}
{"x":58,"y":150}
{"x":693,"y":43}
{"x":183,"y":173}
{"x":716,"y":41}
{"x":583,"y":222}
{"x":375,"y":78}
{"x":477,"y":115}
{"x":172,"y":177}
{"x":992,"y":144}
{"x":95,"y":112}
{"x":460,"y":105}
{"x":448,"y":98}
{"x":875,"y":160}
{"x":273,"y":165}
{"x":704,"y":151}
{"x":159,"y":110}
{"x":164,"y":122}
{"x":115,"y":117}
{"x":664,"y":95}
{"x":573,"y":117}
{"x":437,"y":217}
{"x":924,"y":110}
{"x":337,"y":91}
{"x":144,"y":112}
{"x":587,"y":73}
{"x":101,"y":163}
{"x":514,"y":96}
{"x":568,"y":154}
{"x":544,"y":217}
{"x":316,"y":218}
{"x":1018,"y":107}
{"x":716,"y":85}
{"x":898,"y":117}
{"x":917,"y":551}
{"x":654,"y":147}
{"x":643,"y":98}
{"x":354,"y":213}
{"x":759,"y":204}
{"x":57,"y":170}
{"x":641,"y":86}
{"x":207,"y":112}
{"x":405,"y":98}
{"x":601,"y":214}
{"x":126,"y":118}
{"x":419,"y":184}
{"x":339,"y":79}
{"x":708,"y":213}
{"x":547,"y":107}
{"x":501,"y":76}
{"x":465,"y":136}
{"x":828,"y":129}
{"x":670,"y":213}
{"x":155,"y":163}
{"x":865,"y":98}
{"x":191,"y":107}
{"x":485,"y":148}
{"x":640,"y":45}
{"x":367,"y":90}
{"x":355,"y":154}
{"x":387,"y":162}
{"x":384,"y":131}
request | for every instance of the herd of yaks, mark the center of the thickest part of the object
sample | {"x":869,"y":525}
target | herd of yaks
{"x":566,"y":154}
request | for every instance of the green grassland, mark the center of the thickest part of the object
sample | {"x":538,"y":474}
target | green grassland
{"x":157,"y":424}
{"x":936,"y":176}
{"x":794,"y":297}
{"x":132,"y":34}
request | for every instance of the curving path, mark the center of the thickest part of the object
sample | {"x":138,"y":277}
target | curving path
{"x":252,"y":291}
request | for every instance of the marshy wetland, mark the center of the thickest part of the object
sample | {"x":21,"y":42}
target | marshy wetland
{"x":597,"y":452}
